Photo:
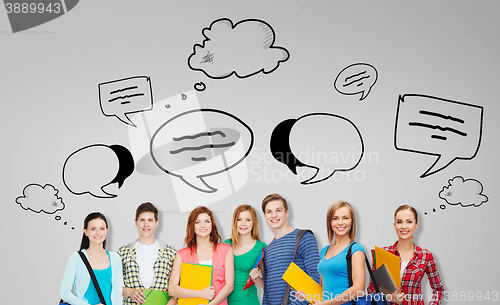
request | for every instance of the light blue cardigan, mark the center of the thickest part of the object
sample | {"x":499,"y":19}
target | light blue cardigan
{"x":77,"y":276}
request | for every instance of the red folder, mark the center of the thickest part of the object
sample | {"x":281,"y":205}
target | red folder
{"x":249,"y":282}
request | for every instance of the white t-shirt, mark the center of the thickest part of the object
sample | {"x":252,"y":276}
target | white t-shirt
{"x":146,"y":258}
{"x":209,"y":262}
{"x":403,"y":267}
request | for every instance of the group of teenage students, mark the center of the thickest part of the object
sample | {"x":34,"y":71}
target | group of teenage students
{"x":149,"y":263}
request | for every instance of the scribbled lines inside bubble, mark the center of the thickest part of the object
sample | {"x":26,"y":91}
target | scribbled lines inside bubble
{"x":356,"y":79}
{"x":209,"y":58}
{"x":438,"y":127}
{"x":206,"y":138}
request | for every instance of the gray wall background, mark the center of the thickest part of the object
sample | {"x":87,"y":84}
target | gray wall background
{"x":50,"y":108}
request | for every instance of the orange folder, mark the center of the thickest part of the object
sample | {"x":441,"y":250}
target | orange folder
{"x":299,"y":280}
{"x":392,"y":263}
{"x":195,"y":277}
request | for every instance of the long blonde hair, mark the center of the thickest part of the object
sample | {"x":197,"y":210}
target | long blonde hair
{"x":329,"y":216}
{"x":235,"y":236}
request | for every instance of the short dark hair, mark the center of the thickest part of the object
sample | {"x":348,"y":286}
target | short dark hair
{"x":273,"y":197}
{"x":146,"y":207}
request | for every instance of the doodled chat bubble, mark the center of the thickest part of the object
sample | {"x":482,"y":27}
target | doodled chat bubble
{"x":325,"y":142}
{"x":192,"y":152}
{"x":126,"y":96}
{"x":356,"y":78}
{"x":91,"y":168}
{"x":37,"y":198}
{"x":149,"y":122}
{"x":434,"y":126}
{"x":464,"y":192}
{"x":243,"y":49}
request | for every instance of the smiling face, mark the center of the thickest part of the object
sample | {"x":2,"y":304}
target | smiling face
{"x":342,"y":221}
{"x":146,"y":224}
{"x":203,"y":225}
{"x":245,"y":223}
{"x":276,"y":214}
{"x":96,"y":231}
{"x":405,"y":224}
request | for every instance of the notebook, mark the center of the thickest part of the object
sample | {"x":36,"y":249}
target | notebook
{"x":196,"y":277}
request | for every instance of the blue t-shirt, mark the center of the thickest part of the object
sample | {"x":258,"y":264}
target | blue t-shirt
{"x":277,"y":257}
{"x":103,"y":277}
{"x":333,"y":272}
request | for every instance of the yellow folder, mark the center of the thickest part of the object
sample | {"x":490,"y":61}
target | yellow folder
{"x":299,"y":280}
{"x":195,"y":277}
{"x":392,"y":263}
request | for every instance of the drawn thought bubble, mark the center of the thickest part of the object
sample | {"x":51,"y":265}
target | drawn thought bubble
{"x":325,"y":142}
{"x":37,"y":198}
{"x":243,"y":49}
{"x":356,"y":78}
{"x":182,"y":149}
{"x":434,"y":126}
{"x":125,"y":96}
{"x":466,"y":192}
{"x":92,"y":168}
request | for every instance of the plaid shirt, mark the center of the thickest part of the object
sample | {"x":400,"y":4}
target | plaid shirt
{"x":162,"y":268}
{"x":411,"y":281}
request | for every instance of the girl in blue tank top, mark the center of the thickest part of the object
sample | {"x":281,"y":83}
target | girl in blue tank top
{"x":341,"y":228}
{"x":77,"y":287}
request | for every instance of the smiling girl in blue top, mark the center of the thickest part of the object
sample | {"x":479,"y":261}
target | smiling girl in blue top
{"x":106,"y":265}
{"x":341,"y":228}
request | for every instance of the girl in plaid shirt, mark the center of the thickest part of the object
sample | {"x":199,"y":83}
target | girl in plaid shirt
{"x":415,"y":262}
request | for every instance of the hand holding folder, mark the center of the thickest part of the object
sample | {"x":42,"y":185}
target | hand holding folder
{"x":155,"y":297}
{"x":384,"y":280}
{"x":391,"y":262}
{"x":250,"y":282}
{"x":195,"y":277}
{"x":299,"y":280}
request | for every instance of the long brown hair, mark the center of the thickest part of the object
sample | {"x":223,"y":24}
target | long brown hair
{"x":85,"y":239}
{"x":190,"y":239}
{"x":329,"y":216}
{"x":235,"y":236}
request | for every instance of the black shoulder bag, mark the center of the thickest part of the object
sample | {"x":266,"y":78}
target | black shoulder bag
{"x":92,"y":275}
{"x":299,"y":236}
{"x":369,"y":299}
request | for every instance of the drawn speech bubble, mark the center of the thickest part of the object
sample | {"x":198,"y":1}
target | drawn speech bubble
{"x":326,"y":142}
{"x":434,"y":126}
{"x":180,"y":148}
{"x":356,"y":78}
{"x":92,"y":168}
{"x":125,"y":96}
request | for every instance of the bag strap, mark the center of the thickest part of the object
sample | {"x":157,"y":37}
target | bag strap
{"x":349,"y":270}
{"x":92,"y":275}
{"x":299,"y":236}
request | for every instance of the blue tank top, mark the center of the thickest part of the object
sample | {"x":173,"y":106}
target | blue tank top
{"x":333,"y":271}
{"x":103,"y":277}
